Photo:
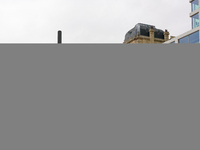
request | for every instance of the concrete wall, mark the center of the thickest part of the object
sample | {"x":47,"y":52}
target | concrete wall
{"x":99,"y":97}
{"x":144,"y":39}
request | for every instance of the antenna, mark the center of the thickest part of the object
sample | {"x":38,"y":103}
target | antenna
{"x":59,"y":37}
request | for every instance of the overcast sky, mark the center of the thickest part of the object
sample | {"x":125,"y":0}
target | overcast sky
{"x":88,"y":21}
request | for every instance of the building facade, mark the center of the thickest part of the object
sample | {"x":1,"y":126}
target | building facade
{"x":191,"y":36}
{"x":144,"y":33}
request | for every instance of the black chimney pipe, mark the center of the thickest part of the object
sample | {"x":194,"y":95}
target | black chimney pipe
{"x":59,"y":37}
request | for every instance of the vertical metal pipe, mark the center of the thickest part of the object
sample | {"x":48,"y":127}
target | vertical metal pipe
{"x":59,"y":37}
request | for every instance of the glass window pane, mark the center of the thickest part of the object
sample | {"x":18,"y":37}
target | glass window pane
{"x":172,"y":42}
{"x":184,"y":40}
{"x":195,"y":21}
{"x":195,"y":5}
{"x":194,"y":38}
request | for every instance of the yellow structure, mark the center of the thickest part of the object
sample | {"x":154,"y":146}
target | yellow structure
{"x":143,"y":33}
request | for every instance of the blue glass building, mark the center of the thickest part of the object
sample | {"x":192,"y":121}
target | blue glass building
{"x":193,"y":35}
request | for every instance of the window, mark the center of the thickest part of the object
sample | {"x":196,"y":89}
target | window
{"x":192,"y":38}
{"x":172,"y":42}
{"x":195,"y":21}
{"x":184,"y":40}
{"x":195,"y":5}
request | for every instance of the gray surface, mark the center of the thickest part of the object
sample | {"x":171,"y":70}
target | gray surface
{"x":99,"y":97}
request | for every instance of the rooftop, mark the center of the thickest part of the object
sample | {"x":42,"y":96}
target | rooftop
{"x":143,"y":29}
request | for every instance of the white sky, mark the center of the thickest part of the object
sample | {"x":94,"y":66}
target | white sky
{"x":88,"y":21}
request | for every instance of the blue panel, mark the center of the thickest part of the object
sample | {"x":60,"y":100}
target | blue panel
{"x":194,"y":38}
{"x":195,"y":5}
{"x":184,"y":40}
{"x":195,"y":21}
